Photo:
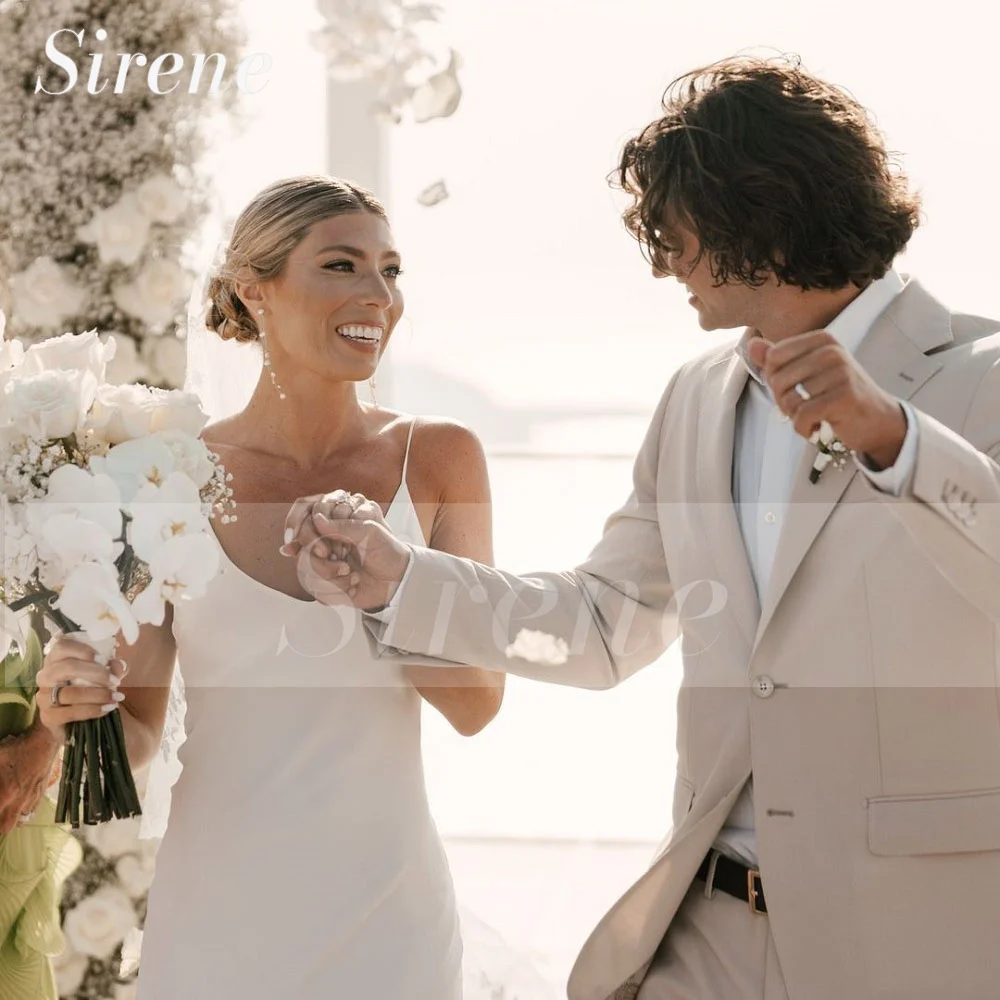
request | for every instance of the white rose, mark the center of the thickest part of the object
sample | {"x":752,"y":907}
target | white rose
{"x":538,"y":647}
{"x":123,"y":412}
{"x":166,"y":358}
{"x":113,"y":839}
{"x":69,"y":967}
{"x":155,"y":294}
{"x":51,"y":404}
{"x":127,"y":365}
{"x":161,"y":198}
{"x":45,"y":295}
{"x":178,"y":411}
{"x":136,"y":874}
{"x":99,"y":923}
{"x":133,"y":464}
{"x":70,"y":352}
{"x":92,"y":598}
{"x":120,"y":232}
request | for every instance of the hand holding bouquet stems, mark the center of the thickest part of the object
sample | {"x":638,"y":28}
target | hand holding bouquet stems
{"x":105,"y":496}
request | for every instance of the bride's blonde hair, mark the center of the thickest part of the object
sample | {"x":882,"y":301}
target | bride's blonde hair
{"x":266,"y":232}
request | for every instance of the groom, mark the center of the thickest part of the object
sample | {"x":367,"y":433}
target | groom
{"x":836,"y":813}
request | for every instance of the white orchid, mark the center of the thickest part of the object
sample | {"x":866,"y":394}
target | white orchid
{"x":120,"y":231}
{"x":92,"y":496}
{"x":160,"y":513}
{"x":70,"y":352}
{"x":68,"y":540}
{"x":133,"y":464}
{"x":51,"y":404}
{"x":92,"y":598}
{"x":181,"y":570}
{"x":191,"y":455}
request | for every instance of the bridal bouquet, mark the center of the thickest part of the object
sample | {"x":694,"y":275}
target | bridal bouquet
{"x":105,"y":494}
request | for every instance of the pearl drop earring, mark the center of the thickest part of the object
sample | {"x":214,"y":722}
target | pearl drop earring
{"x":267,"y":358}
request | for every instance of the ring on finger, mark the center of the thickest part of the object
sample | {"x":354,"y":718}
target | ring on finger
{"x":802,"y":391}
{"x":54,"y":696}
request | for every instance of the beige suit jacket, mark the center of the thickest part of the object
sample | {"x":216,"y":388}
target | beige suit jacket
{"x":864,"y":694}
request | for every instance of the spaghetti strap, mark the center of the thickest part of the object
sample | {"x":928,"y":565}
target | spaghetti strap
{"x":406,"y":456}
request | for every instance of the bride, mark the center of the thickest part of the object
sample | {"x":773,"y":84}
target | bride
{"x":301,"y":859}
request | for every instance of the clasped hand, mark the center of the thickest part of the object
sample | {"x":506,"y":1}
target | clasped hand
{"x":344,"y":550}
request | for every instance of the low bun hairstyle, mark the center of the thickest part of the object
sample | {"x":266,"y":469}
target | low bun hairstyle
{"x":271,"y":226}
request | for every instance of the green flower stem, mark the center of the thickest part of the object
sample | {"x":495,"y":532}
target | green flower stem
{"x":95,"y":797}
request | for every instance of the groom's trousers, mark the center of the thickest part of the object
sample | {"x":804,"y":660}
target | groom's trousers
{"x":716,"y":949}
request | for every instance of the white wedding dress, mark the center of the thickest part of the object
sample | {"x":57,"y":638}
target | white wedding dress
{"x":300,"y":860}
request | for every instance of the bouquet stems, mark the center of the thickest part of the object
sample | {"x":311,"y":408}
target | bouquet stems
{"x":96,"y":783}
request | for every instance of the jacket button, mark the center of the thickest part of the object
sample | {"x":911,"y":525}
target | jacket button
{"x":763,"y":686}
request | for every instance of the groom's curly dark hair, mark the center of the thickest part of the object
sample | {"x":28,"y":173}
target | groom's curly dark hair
{"x":775,"y":171}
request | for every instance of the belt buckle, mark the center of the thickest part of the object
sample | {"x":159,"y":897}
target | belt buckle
{"x":753,"y":876}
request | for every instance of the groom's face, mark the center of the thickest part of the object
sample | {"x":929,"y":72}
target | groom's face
{"x":719,"y":307}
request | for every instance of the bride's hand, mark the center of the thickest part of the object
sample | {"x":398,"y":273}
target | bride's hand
{"x":300,"y":529}
{"x":362,"y":567}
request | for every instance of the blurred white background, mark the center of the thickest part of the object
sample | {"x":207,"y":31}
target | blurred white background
{"x":533,"y":317}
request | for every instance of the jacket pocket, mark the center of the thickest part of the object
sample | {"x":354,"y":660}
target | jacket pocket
{"x":952,"y":823}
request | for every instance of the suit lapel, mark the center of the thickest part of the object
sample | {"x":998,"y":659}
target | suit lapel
{"x":893,"y":353}
{"x":716,"y":430}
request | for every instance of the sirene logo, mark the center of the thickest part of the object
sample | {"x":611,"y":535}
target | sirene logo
{"x":256,"y":64}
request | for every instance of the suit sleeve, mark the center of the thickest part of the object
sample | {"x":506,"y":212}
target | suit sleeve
{"x":615,"y":611}
{"x":952,"y":508}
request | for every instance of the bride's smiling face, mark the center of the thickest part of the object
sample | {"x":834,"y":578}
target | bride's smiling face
{"x":336,"y":302}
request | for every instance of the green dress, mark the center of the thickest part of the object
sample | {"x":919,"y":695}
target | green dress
{"x":35,"y":860}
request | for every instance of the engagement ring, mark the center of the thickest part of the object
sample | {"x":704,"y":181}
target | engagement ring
{"x":56,"y":688}
{"x":802,"y":391}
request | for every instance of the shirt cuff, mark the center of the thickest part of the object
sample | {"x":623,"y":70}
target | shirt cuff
{"x":388,"y":611}
{"x":898,"y":477}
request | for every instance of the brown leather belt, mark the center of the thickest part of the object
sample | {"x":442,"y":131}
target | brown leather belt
{"x":735,"y":879}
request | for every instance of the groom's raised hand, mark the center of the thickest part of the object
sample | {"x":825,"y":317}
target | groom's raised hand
{"x":869,"y":420}
{"x":345,"y":551}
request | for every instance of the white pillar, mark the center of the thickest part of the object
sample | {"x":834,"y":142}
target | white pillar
{"x":357,"y":149}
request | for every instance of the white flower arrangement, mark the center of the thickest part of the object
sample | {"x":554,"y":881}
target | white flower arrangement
{"x":538,"y":647}
{"x":106,"y":493}
{"x":399,"y":46}
{"x":101,"y":200}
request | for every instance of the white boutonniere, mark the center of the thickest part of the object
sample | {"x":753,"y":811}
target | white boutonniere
{"x":830,"y":451}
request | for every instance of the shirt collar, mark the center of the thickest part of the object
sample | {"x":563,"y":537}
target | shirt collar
{"x":849,"y":327}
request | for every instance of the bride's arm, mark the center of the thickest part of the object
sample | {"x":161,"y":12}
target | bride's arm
{"x":146,"y":686}
{"x":468,"y":698}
